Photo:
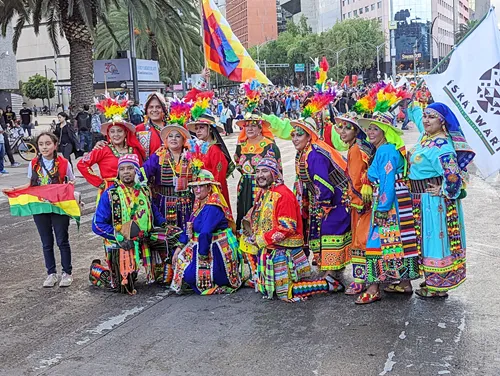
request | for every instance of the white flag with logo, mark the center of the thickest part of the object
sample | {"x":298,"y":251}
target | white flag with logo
{"x":471,"y":88}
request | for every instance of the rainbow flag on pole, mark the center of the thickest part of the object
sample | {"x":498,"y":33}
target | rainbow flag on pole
{"x":53,"y":198}
{"x":224,"y":52}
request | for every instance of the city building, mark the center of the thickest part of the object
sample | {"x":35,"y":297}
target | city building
{"x":307,"y":8}
{"x":478,"y":8}
{"x":35,"y":55}
{"x":424,"y":29}
{"x":8,"y":74}
{"x":221,"y":4}
{"x":253,"y":21}
{"x":329,"y":13}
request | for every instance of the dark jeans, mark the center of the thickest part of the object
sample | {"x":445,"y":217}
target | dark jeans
{"x":228,"y":126}
{"x":66,"y":150}
{"x":27,"y":127}
{"x":8,"y":150}
{"x":85,"y":140}
{"x":59,"y":224}
{"x":2,"y":153}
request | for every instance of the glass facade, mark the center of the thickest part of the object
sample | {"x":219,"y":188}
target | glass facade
{"x":413,"y":33}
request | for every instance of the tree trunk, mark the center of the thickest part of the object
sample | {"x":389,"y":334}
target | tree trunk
{"x":154,"y":47}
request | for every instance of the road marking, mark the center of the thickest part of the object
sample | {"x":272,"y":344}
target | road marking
{"x":114,"y":321}
{"x":389,"y":363}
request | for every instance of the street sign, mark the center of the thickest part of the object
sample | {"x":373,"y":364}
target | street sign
{"x":276,"y":65}
{"x":393,"y":25}
{"x":300,"y":67}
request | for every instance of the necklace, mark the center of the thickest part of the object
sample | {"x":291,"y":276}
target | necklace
{"x":117,"y":154}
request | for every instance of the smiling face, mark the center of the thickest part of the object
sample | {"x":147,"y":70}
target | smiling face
{"x":253,"y":130}
{"x":300,"y":139}
{"x":46,"y":146}
{"x":264,"y":177}
{"x":155,"y":111}
{"x":202,"y":191}
{"x":432,"y":123}
{"x":126,"y":173}
{"x":175,"y":141}
{"x":375,"y":135}
{"x":347,"y":131}
{"x":202,"y":131}
{"x":117,"y":135}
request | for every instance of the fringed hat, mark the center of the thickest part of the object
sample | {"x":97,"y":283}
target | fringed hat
{"x":115,"y":112}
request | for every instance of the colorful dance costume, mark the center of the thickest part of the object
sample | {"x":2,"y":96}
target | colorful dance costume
{"x":209,"y":261}
{"x":442,"y":160}
{"x":119,"y":205}
{"x":276,"y":224}
{"x":169,"y":181}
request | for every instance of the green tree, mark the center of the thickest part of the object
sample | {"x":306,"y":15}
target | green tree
{"x":38,"y":87}
{"x":464,"y":29}
{"x":76,"y":20}
{"x":149,"y":45}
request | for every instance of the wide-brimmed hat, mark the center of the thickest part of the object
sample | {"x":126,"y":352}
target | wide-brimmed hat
{"x":105,"y":126}
{"x":308,"y":124}
{"x":351,"y":118}
{"x":252,"y":117}
{"x":173,"y":127}
{"x":206,"y":119}
{"x":383,"y":120}
{"x":204,"y":177}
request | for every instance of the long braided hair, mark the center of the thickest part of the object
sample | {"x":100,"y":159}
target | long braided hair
{"x":39,"y":160}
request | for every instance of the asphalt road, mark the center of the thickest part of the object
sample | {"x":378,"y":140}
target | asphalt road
{"x":85,"y":331}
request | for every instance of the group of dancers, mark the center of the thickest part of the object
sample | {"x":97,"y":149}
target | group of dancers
{"x":163,"y":201}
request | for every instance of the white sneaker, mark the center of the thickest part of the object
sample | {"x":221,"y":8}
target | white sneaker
{"x":51,"y":280}
{"x":66,"y":280}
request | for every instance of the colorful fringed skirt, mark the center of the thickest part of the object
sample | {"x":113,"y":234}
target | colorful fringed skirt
{"x":216,"y":273}
{"x":440,"y":238}
{"x":391,"y":250}
{"x":175,"y":207}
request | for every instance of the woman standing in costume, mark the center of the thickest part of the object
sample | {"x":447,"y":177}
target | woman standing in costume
{"x":168,"y":171}
{"x":391,"y":249}
{"x":217,"y":159}
{"x":358,"y":195}
{"x":207,"y":257}
{"x":438,"y":173}
{"x":121,"y":140}
{"x":50,"y":168}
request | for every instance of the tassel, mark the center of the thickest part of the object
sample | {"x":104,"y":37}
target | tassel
{"x":367,"y":193}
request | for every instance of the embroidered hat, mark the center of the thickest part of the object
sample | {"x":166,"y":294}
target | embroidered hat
{"x":351,"y":118}
{"x":129,"y":158}
{"x":204,"y":177}
{"x":206,"y":119}
{"x":273,"y":165}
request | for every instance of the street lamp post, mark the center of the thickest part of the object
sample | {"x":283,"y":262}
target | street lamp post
{"x":378,"y":61}
{"x":47,"y":87}
{"x":133,"y":53}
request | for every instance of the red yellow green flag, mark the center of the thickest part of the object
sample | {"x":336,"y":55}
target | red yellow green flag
{"x":52,"y":198}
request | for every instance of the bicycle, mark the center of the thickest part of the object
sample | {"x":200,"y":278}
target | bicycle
{"x":20,"y":144}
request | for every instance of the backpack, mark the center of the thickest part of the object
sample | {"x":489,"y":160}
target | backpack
{"x":136,"y":117}
{"x":83,"y":121}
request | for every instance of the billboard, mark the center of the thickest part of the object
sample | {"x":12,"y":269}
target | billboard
{"x":148,"y":70}
{"x":112,"y":69}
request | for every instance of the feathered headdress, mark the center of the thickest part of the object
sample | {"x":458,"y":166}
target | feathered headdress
{"x":252,"y":93}
{"x":388,"y":97}
{"x":179,"y":113}
{"x":195,"y":154}
{"x":321,"y":70}
{"x":201,"y":104}
{"x":112,"y":109}
{"x":318,"y":103}
{"x":367,"y":103}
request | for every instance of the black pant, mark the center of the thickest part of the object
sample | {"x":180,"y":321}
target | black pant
{"x":228,"y":126}
{"x":48,"y":225}
{"x":66,"y":150}
{"x":8,"y":150}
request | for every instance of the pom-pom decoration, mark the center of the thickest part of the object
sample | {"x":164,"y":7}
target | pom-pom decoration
{"x":112,"y":109}
{"x":195,"y":154}
{"x":318,"y":103}
{"x":252,"y":93}
{"x":179,"y":113}
{"x":201,"y":104}
{"x":321,"y":70}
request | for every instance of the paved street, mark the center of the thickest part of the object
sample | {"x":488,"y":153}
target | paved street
{"x":85,"y":331}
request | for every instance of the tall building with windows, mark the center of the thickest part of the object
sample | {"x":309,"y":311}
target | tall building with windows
{"x":478,"y":8}
{"x":252,"y":21}
{"x":321,"y":14}
{"x":425,"y":26}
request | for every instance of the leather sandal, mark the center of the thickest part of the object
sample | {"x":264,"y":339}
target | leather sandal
{"x":397,"y":289}
{"x":367,"y":298}
{"x":426,"y":293}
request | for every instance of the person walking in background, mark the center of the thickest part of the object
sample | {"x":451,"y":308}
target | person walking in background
{"x":135,"y":114}
{"x":83,"y":125}
{"x":3,"y":171}
{"x":35,"y":111}
{"x":68,"y":139}
{"x":26,"y":118}
{"x":7,"y":148}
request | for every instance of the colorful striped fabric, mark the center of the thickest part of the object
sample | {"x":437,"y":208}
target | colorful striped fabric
{"x":224,"y":52}
{"x":52,"y":198}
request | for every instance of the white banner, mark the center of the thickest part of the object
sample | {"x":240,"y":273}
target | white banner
{"x":471,"y":88}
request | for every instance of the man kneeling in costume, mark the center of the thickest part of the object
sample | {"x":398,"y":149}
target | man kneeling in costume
{"x":126,"y":217}
{"x":274,"y":225}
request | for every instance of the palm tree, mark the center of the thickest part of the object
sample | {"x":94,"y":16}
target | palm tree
{"x":76,"y":20}
{"x":464,"y":29}
{"x":155,"y":39}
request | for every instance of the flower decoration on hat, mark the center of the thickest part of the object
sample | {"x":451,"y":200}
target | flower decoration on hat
{"x":179,"y":113}
{"x":114,"y":110}
{"x":252,"y":93}
{"x":196,"y":153}
{"x":201,"y":104}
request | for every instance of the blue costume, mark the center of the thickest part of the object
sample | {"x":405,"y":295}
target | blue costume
{"x":440,"y":159}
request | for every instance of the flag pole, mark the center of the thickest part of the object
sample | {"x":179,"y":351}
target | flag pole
{"x":203,"y":33}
